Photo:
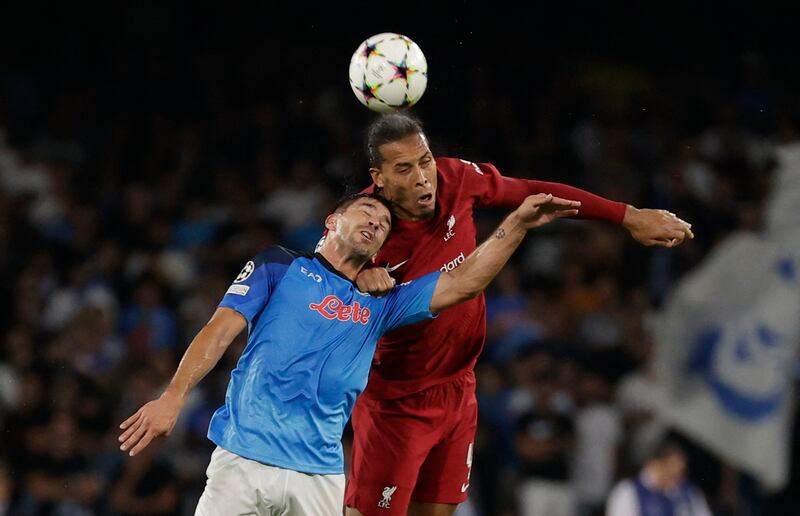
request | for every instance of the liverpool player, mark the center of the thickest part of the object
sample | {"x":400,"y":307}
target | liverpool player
{"x":415,"y":424}
{"x":310,"y":343}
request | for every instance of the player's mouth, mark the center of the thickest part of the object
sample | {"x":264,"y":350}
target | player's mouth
{"x":425,"y":200}
{"x":369,"y":236}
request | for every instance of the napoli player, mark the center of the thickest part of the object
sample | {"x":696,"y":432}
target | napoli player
{"x":415,"y":425}
{"x":312,"y":335}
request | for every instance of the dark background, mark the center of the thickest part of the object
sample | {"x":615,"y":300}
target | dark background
{"x":151,"y":150}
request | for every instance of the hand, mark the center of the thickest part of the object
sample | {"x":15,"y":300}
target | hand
{"x":152,"y":420}
{"x":375,"y":281}
{"x":656,"y":227}
{"x":540,"y":209}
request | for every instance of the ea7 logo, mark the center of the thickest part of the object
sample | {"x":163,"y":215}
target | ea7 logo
{"x":312,"y":275}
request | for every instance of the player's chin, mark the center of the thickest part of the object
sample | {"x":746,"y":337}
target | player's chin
{"x":365,"y":250}
{"x":426,"y":211}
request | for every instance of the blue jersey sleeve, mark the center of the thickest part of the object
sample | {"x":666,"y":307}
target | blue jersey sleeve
{"x":410,"y":302}
{"x":250,"y":291}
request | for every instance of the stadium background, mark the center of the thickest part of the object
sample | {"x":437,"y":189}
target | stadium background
{"x":146,"y":153}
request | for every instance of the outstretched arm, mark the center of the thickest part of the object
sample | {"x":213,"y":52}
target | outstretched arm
{"x":593,"y":206}
{"x":483,"y":264}
{"x":656,"y":227}
{"x":646,"y":226}
{"x":158,"y":416}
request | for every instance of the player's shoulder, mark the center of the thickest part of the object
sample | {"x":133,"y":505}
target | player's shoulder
{"x":462,"y":168}
{"x":278,"y":255}
{"x":450,"y":166}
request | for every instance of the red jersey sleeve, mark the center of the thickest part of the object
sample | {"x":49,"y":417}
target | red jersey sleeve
{"x":495,"y":190}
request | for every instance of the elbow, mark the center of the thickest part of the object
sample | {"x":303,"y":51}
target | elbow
{"x":452,"y":290}
{"x":467,"y":289}
{"x":465,"y":293}
{"x":470,"y":294}
{"x":452,"y":298}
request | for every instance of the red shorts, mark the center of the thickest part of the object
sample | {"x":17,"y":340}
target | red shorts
{"x":414,"y":448}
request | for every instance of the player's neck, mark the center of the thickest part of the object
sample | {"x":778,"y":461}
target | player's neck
{"x":346,"y":263}
{"x":398,"y":212}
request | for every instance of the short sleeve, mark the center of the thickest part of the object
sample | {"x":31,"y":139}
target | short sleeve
{"x":622,"y":500}
{"x":251,"y":289}
{"x":410,"y":302}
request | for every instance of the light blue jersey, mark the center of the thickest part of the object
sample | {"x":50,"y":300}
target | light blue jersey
{"x":312,"y":336}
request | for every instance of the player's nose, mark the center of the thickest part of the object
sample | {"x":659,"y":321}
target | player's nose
{"x":421,"y":178}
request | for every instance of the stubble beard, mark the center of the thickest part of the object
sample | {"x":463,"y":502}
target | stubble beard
{"x":357,"y":251}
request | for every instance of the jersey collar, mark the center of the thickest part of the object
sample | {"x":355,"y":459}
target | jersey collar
{"x":325,"y":263}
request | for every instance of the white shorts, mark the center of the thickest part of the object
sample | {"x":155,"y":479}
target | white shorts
{"x":239,"y":486}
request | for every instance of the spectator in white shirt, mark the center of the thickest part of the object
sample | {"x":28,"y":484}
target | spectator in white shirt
{"x":660,"y":489}
{"x":598,"y":431}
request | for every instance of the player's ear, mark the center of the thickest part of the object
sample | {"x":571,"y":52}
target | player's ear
{"x":330,"y":221}
{"x":377,"y":177}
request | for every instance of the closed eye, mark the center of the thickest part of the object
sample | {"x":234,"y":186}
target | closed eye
{"x":368,"y":210}
{"x":425,"y":160}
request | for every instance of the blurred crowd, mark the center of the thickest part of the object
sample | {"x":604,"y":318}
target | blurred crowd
{"x":130,"y":199}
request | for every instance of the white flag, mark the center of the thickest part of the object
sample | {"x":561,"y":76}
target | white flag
{"x":727,"y":345}
{"x":783,"y":205}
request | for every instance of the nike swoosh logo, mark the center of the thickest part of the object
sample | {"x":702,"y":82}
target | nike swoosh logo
{"x":394,"y":267}
{"x":464,"y":488}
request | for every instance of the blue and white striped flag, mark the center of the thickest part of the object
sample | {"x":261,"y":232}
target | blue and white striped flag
{"x":728,"y":341}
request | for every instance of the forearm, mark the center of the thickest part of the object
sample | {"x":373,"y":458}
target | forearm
{"x":203,"y":353}
{"x":593,"y":207}
{"x":485,"y":262}
{"x":480,"y":267}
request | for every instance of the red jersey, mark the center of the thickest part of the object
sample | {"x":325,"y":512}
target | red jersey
{"x":416,"y":357}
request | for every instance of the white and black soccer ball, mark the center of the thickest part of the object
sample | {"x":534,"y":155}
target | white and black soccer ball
{"x":388,"y":72}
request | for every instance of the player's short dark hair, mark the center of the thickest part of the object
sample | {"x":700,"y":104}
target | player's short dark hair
{"x":347,"y":200}
{"x":667,"y":447}
{"x":389,"y":128}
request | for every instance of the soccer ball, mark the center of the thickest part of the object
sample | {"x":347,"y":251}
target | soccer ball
{"x":388,"y":72}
